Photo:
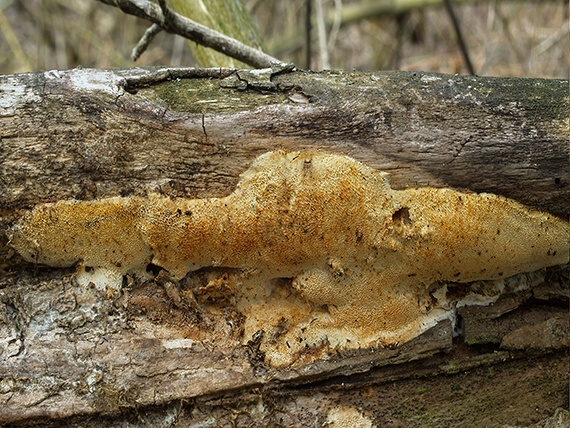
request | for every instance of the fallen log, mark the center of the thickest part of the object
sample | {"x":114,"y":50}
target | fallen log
{"x":71,"y":351}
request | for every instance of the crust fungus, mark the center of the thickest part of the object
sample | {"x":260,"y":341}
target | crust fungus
{"x":330,"y":255}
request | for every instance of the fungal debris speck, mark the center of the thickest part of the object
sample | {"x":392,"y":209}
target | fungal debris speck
{"x":331,"y":257}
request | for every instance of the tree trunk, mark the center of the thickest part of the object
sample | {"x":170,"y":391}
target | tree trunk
{"x":156,"y":353}
{"x":229,"y":17}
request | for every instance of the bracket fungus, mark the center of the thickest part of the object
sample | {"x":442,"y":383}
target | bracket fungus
{"x":330,"y":255}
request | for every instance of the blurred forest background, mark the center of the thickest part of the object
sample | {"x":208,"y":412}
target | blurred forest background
{"x":504,"y":38}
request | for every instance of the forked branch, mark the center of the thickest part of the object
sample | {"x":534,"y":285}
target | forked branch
{"x":172,"y":22}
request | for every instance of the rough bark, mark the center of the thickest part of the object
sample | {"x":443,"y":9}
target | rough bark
{"x":72,"y":352}
{"x":63,"y":131}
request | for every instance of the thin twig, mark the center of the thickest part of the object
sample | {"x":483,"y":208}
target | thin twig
{"x":172,"y":22}
{"x":308,"y":28}
{"x":322,"y":33}
{"x":145,"y":40}
{"x":333,"y":34}
{"x":510,"y":37}
{"x":401,"y":21}
{"x":549,"y":42}
{"x":460,"y":40}
{"x":14,"y":44}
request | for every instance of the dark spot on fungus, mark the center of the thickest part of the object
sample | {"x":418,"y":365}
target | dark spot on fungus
{"x":402,"y":218}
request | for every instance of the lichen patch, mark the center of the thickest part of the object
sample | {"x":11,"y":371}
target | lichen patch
{"x":322,"y":253}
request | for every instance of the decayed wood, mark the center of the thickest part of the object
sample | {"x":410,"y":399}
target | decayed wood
{"x":66,"y":350}
{"x":79,"y":134}
{"x":93,"y":355}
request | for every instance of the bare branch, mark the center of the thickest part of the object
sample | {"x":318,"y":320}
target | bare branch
{"x":333,"y":34}
{"x":145,"y":40}
{"x":308,"y":28}
{"x":166,"y":11}
{"x":172,"y":22}
{"x":460,"y":40}
{"x":322,"y":32}
{"x":133,"y":82}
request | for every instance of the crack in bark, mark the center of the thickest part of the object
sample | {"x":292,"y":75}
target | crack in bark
{"x":204,"y":129}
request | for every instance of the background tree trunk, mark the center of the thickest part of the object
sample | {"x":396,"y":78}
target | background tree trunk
{"x":229,"y":17}
{"x":85,"y":134}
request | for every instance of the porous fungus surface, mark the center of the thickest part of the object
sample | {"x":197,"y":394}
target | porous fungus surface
{"x":361,"y":260}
